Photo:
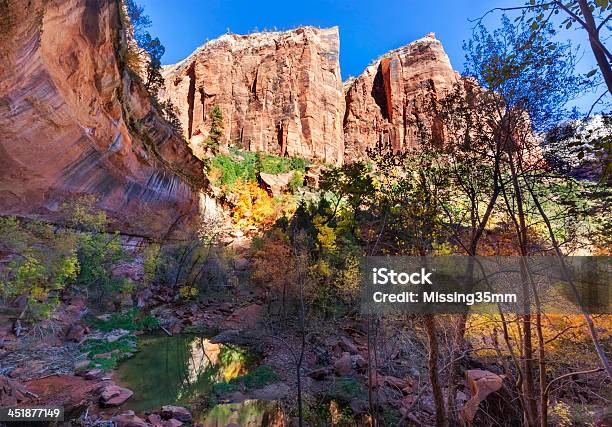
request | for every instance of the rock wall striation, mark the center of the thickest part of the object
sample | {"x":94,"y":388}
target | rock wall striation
{"x":73,"y":122}
{"x":278,"y":92}
{"x":393,"y":96}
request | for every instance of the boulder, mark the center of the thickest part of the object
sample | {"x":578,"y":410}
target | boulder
{"x":172,"y":422}
{"x":113,"y":395}
{"x":359,"y":361}
{"x":358,"y":406}
{"x":155,"y":420}
{"x":82,"y":364}
{"x":116,"y":335}
{"x":76,"y":332}
{"x":92,"y":374}
{"x":245,"y":317}
{"x":481,"y":383}
{"x":276,"y":184}
{"x":129,"y":419}
{"x":346,"y":344}
{"x":129,"y":270}
{"x":343,"y":365}
{"x":320,"y":373}
{"x":313,"y":175}
{"x":176,"y":412}
{"x":276,"y":391}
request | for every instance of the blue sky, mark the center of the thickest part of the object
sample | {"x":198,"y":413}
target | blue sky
{"x":368,"y":28}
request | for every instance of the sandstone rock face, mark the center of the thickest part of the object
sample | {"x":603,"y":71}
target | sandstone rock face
{"x":387,"y":101}
{"x":277,"y":183}
{"x":279,"y":92}
{"x":72,"y":122}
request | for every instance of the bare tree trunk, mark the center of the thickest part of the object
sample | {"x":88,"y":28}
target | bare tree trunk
{"x":372,"y":371}
{"x":302,"y":320}
{"x":453,"y":375}
{"x":531,"y":410}
{"x":434,"y":375}
{"x":542,"y":369}
{"x":596,"y":44}
{"x":589,"y":321}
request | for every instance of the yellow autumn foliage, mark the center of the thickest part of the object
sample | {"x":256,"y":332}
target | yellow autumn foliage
{"x":254,"y":206}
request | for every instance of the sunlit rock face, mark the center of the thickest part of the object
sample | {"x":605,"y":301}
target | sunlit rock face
{"x":388,"y":102}
{"x":64,"y":106}
{"x":279,"y":92}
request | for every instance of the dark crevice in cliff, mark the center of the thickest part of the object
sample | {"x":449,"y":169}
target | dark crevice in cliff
{"x":379,"y":94}
{"x":203,"y":102}
{"x":191,"y":97}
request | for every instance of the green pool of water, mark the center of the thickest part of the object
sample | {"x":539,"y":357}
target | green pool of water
{"x":250,"y":413}
{"x":177,"y":369}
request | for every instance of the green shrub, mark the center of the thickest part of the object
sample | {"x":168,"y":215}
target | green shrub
{"x":297,"y":181}
{"x":346,"y":389}
{"x":244,"y":165}
{"x":130,"y":321}
{"x":97,"y":251}
{"x":229,"y":355}
{"x":43,"y":263}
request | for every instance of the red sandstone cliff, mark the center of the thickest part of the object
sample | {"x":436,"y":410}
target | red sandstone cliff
{"x":387,"y":101}
{"x":279,"y":92}
{"x":73,"y":122}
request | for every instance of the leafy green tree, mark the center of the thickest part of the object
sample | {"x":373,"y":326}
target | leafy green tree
{"x":138,"y":20}
{"x":216,"y":126}
{"x":591,"y":16}
{"x":97,"y":250}
{"x":155,"y":50}
{"x":42,"y":263}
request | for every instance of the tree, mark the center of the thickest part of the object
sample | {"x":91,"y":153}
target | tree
{"x":139,"y":21}
{"x":592,"y":16}
{"x":155,"y":50}
{"x":216,"y":125}
{"x":531,"y":78}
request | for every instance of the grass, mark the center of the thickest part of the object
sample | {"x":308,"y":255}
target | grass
{"x":257,"y":378}
{"x":125,"y":346}
{"x":246,"y":165}
{"x":120,"y":350}
{"x":130,"y":321}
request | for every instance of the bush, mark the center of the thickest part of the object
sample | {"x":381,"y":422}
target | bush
{"x":130,"y":321}
{"x":98,"y":251}
{"x":43,"y":262}
{"x":228,"y":169}
{"x":193,"y":267}
{"x":254,"y":205}
{"x":245,"y":165}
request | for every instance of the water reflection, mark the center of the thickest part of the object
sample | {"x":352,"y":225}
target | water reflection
{"x":177,"y":369}
{"x":250,"y":413}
